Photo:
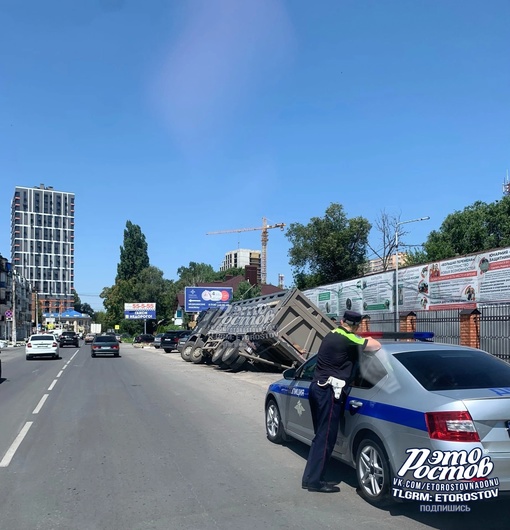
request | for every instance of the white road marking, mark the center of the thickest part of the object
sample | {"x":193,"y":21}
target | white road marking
{"x":60,"y":373}
{"x":41,"y":403}
{"x":6,"y":460}
{"x":52,"y":385}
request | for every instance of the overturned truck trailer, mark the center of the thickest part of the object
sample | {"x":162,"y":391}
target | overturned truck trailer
{"x":274,"y":332}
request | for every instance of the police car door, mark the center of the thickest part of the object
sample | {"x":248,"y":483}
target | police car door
{"x":360,"y":402}
{"x":299,"y":418}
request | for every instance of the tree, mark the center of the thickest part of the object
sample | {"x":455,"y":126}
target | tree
{"x":328,"y":249}
{"x":195,"y":273}
{"x":478,"y":227}
{"x":246,"y":290}
{"x":133,"y":254}
{"x":80,"y":307}
{"x":388,"y":225}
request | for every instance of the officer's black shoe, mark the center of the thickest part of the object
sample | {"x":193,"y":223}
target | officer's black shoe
{"x":304,"y":485}
{"x":324,"y":487}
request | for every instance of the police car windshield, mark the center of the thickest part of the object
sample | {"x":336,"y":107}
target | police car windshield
{"x":456,"y":370}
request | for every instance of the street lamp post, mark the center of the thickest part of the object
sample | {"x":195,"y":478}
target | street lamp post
{"x":396,"y":319}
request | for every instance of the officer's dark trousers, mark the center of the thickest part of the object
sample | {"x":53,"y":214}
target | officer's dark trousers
{"x":325,"y":411}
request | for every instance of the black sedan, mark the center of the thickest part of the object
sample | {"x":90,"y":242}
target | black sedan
{"x":105,"y":345}
{"x":170,"y":339}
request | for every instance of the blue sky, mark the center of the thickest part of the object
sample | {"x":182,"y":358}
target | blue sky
{"x":194,"y":116}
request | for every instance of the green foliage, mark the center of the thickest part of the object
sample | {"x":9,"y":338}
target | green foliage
{"x":195,"y":273}
{"x":328,"y":249}
{"x":80,"y":307}
{"x":221,"y":276}
{"x":246,"y":290}
{"x":477,"y":228}
{"x":133,"y":254}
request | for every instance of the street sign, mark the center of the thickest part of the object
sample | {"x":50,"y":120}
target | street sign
{"x":8,"y":314}
{"x":198,"y":299}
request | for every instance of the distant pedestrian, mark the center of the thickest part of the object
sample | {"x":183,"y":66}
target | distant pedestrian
{"x":337,"y":354}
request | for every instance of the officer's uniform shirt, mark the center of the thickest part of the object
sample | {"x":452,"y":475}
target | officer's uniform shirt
{"x":337,"y":354}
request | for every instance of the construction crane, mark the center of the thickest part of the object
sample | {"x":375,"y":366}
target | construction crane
{"x":263,"y":257}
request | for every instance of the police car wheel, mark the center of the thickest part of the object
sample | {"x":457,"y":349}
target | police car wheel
{"x":373,"y":472}
{"x":274,"y":427}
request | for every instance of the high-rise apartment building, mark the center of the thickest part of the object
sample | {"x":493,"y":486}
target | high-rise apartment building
{"x":240,"y":258}
{"x":42,"y":244}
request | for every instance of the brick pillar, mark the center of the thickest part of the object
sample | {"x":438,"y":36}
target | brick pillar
{"x":407,"y":322}
{"x":470,"y":328}
{"x":365,"y":323}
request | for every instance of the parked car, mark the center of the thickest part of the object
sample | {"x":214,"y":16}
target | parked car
{"x":419,"y":416}
{"x":105,"y":345}
{"x":41,"y":345}
{"x":157,"y":340}
{"x":69,"y":338}
{"x":144,"y":337}
{"x":170,"y":339}
{"x":182,"y":341}
{"x":89,"y":337}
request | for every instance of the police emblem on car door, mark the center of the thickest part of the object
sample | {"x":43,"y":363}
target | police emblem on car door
{"x":299,"y":418}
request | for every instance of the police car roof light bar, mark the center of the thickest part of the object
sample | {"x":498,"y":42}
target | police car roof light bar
{"x":395,"y":335}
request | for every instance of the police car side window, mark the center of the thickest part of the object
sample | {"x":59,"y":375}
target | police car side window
{"x":368,"y":372}
{"x":308,"y":370}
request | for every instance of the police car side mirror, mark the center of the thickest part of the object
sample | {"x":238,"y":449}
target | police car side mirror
{"x":290,"y":373}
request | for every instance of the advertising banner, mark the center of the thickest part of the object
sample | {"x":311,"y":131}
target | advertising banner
{"x":140,"y":311}
{"x":459,"y":283}
{"x":198,"y":299}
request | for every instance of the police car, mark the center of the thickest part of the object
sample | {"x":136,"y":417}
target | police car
{"x":422,"y":421}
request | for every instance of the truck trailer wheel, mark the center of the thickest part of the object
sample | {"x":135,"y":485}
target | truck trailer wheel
{"x":186,"y":351}
{"x":197,"y":355}
{"x":238,"y":364}
{"x":231,"y":353}
{"x":219,"y":351}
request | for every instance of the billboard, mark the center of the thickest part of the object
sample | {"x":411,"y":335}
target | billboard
{"x":198,"y":299}
{"x":140,"y":311}
{"x":463,"y":282}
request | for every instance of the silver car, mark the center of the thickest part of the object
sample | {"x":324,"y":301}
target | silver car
{"x":422,"y":421}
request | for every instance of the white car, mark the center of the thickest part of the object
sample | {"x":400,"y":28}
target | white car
{"x":41,"y":345}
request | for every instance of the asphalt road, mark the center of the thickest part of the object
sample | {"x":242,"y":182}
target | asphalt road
{"x":147,"y":441}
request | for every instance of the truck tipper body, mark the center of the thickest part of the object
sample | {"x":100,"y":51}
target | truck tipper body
{"x":274,"y":331}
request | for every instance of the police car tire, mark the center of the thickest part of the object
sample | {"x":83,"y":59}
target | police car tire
{"x":231,"y":353}
{"x":274,"y":428}
{"x":370,"y":450}
{"x":197,"y":356}
{"x":219,"y":351}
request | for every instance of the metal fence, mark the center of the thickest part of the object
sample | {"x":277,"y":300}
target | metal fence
{"x":495,"y":330}
{"x":494,"y":327}
{"x":444,"y":324}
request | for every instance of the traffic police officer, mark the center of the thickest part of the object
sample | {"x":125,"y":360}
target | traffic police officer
{"x":337,"y":354}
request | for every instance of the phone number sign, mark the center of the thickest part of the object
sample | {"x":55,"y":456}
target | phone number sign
{"x":140,"y":311}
